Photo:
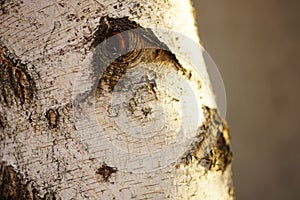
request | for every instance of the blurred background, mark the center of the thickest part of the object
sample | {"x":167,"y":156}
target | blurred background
{"x":256,"y":46}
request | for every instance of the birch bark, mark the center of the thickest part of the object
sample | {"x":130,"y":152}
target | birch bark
{"x":44,"y":45}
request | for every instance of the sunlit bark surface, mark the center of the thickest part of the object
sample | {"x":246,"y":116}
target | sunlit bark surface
{"x":50,"y":150}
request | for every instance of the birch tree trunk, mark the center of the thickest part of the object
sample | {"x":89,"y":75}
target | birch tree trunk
{"x":49,"y":148}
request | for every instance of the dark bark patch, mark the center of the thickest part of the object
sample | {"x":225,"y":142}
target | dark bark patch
{"x":139,"y":39}
{"x":15,"y":187}
{"x":219,"y":156}
{"x":3,"y":122}
{"x":9,"y":6}
{"x":53,"y":117}
{"x":62,"y":4}
{"x":106,"y":171}
{"x":110,"y":26}
{"x":71,"y":17}
{"x":128,"y":49}
{"x":16,"y":83}
{"x":3,"y":10}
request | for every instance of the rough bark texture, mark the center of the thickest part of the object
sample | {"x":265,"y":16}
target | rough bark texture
{"x":43,"y":47}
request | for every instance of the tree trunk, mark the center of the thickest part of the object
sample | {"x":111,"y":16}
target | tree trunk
{"x":69,"y":129}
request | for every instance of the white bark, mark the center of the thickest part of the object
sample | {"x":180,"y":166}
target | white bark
{"x":52,"y":39}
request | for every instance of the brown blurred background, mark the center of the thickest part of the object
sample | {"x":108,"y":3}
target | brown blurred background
{"x":256,"y":46}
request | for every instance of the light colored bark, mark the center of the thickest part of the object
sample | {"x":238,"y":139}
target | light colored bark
{"x":45,"y":46}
